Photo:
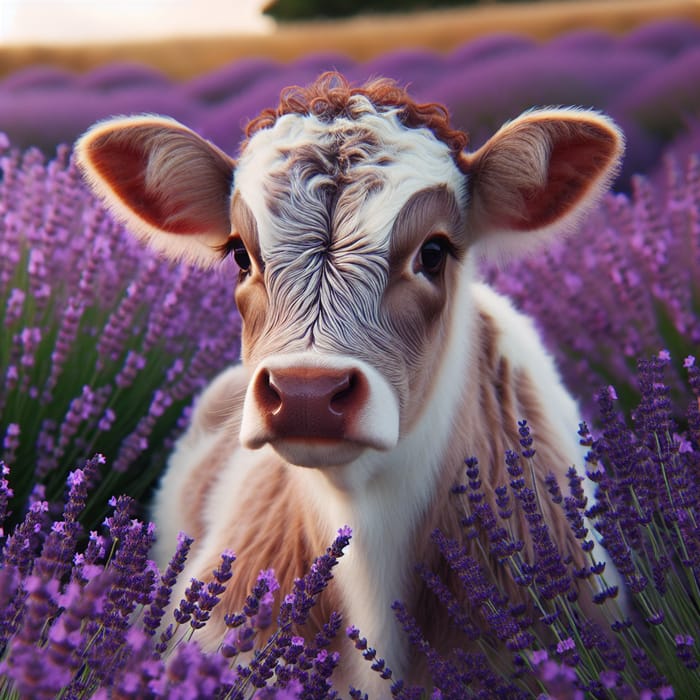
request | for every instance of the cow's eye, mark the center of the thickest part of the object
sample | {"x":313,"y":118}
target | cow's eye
{"x":240,"y":254}
{"x":432,"y":256}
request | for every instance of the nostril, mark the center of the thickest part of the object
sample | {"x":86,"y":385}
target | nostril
{"x":345,"y":394}
{"x":268,"y":395}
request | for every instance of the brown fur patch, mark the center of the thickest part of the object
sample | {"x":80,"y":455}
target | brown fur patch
{"x":251,"y":295}
{"x":417,"y":309}
{"x":427,"y":212}
{"x":243,"y":224}
{"x":252,"y":303}
{"x":275,"y":528}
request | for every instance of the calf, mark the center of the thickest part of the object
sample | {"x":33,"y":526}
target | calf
{"x":373,"y":361}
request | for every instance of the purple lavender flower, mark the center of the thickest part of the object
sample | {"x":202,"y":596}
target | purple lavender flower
{"x":61,"y":542}
{"x":443,"y":671}
{"x":685,"y":648}
{"x":6,"y":494}
{"x":259,"y":604}
{"x":460,"y":617}
{"x":193,"y":674}
{"x":15,"y":306}
{"x":10,"y":443}
{"x":560,"y":680}
{"x":25,"y":541}
{"x":470,"y":573}
{"x":155,"y":612}
{"x":201,"y":599}
{"x":297,"y":605}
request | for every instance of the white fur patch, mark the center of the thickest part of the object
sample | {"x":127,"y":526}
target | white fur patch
{"x":416,"y":160}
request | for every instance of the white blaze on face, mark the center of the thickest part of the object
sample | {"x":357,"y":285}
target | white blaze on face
{"x":324,"y":197}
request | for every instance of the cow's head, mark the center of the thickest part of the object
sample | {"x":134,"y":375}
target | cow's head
{"x":353,"y":215}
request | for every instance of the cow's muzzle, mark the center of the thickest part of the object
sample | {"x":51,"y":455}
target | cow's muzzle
{"x":319,"y":410}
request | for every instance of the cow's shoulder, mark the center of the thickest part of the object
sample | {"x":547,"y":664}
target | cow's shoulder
{"x":199,"y":458}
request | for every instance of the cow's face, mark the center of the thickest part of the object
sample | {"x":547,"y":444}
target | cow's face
{"x":354,"y":235}
{"x":350,"y":237}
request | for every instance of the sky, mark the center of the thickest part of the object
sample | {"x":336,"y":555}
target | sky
{"x":83,"y":21}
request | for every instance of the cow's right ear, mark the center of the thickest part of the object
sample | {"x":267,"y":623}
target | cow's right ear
{"x":168,"y":185}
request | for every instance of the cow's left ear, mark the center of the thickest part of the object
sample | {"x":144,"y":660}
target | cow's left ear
{"x":539,"y":174}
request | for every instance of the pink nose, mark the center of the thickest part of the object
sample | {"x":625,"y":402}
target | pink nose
{"x":310,"y":402}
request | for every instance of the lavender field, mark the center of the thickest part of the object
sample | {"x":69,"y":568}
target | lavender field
{"x":103,"y":347}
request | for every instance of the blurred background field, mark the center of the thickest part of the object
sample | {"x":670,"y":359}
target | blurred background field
{"x":237,"y":33}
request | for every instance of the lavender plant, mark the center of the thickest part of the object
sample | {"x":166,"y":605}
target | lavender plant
{"x":85,"y":620}
{"x":646,"y":516}
{"x":101,"y":345}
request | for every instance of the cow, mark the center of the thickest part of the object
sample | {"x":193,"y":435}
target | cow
{"x":373,"y":360}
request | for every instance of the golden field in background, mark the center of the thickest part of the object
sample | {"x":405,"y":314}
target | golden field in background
{"x":360,"y":38}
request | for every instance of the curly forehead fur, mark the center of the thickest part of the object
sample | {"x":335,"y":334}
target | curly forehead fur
{"x":331,"y":96}
{"x":324,"y":177}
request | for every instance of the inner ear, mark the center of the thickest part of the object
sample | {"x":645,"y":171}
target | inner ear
{"x":166,"y":174}
{"x":121,"y":159}
{"x":575,"y":162}
{"x":541,"y":172}
{"x":169,"y":186}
